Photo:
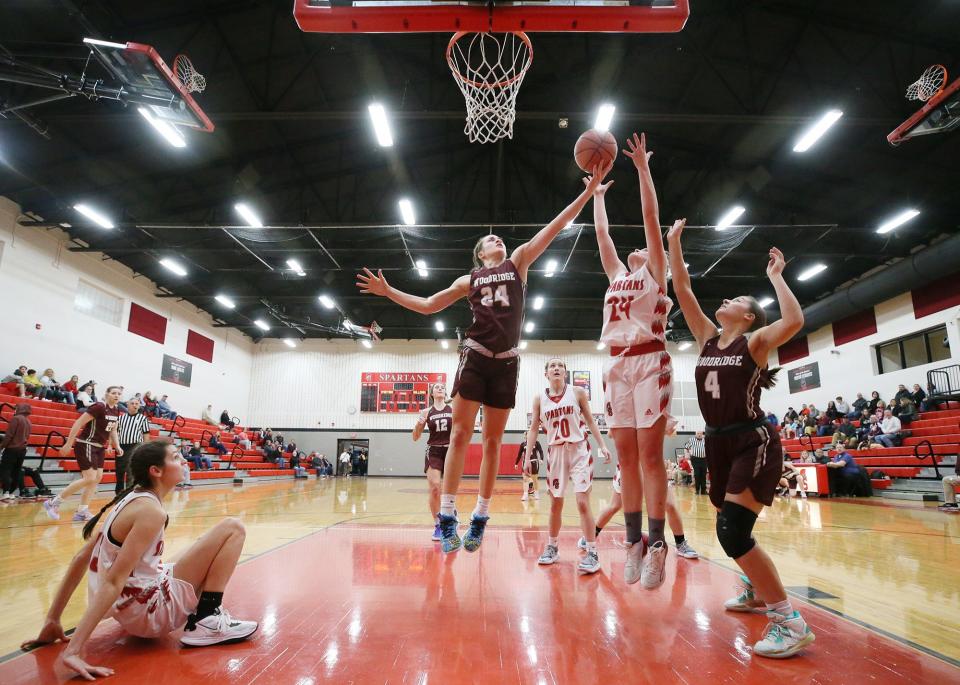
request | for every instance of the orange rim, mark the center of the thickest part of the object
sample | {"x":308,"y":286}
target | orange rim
{"x":483,"y":84}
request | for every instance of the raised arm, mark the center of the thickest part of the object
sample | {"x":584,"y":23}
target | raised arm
{"x":637,"y":151}
{"x":376,"y":284}
{"x":612,"y":266}
{"x":699,"y":323}
{"x":527,"y":254}
{"x":581,"y":396}
{"x":791,"y":315}
{"x":533,"y":432}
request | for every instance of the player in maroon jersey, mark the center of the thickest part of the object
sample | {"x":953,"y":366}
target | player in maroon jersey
{"x":489,"y":361}
{"x":743,"y":451}
{"x":437,"y":419}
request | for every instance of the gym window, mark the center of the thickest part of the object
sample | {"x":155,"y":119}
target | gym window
{"x":915,"y":349}
{"x":99,"y":304}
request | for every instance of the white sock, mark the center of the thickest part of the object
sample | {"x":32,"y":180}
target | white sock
{"x":448,"y":504}
{"x":56,"y":500}
{"x":783,"y":608}
{"x":82,"y":508}
{"x":553,"y":541}
{"x":592,"y":547}
{"x":483,"y":507}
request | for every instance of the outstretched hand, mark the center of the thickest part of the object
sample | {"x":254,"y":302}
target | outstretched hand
{"x":51,"y":631}
{"x":673,"y":235}
{"x":601,"y":189}
{"x":637,"y":150}
{"x":776,"y":264}
{"x":372,"y":284}
{"x":595,"y":179}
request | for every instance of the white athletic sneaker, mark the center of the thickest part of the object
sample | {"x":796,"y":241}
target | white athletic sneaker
{"x":652,"y":573}
{"x":536,"y":494}
{"x":217,"y":629}
{"x":523,"y":497}
{"x":582,"y":543}
{"x":746,"y":601}
{"x":589,"y":564}
{"x":686,"y":551}
{"x":550,"y":555}
{"x":784,"y":636}
{"x":52,"y":508}
{"x":631,"y":570}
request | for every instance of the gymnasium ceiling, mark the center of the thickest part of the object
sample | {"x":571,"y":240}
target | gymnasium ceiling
{"x":722,"y":102}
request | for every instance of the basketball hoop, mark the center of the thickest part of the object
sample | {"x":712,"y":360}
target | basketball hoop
{"x":489,"y":70}
{"x":191,"y":79}
{"x":929,"y":84}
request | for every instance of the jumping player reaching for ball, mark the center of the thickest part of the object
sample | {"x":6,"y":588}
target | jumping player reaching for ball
{"x":637,"y":378}
{"x":489,"y":361}
{"x":127,"y":580}
{"x":565,"y":412}
{"x":437,"y":419}
{"x":744,"y":455}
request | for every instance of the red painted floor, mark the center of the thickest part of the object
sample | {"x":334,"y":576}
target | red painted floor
{"x":355,"y":604}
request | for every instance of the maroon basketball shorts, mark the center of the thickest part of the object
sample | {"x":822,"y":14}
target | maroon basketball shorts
{"x":88,"y":456}
{"x":435,"y":457}
{"x":750,"y":459}
{"x":492,"y":382}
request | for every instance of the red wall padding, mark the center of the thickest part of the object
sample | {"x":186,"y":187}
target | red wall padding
{"x":199,"y":346}
{"x":793,"y":350}
{"x":936,"y":296}
{"x":854,"y":327}
{"x":146,"y":323}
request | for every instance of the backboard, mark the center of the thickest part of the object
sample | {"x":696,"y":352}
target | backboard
{"x":939,"y":114}
{"x":424,"y":16}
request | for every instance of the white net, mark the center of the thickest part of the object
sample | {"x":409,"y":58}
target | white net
{"x":929,"y":84}
{"x":191,"y":79}
{"x":489,"y":70}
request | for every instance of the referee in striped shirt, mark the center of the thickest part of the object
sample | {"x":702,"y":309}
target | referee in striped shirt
{"x":130,"y":433}
{"x":697,"y":453}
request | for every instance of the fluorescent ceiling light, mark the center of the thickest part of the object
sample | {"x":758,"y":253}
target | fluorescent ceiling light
{"x":173,"y":266}
{"x":551,"y":268}
{"x":529,"y":327}
{"x":732,"y":215}
{"x":601,"y":345}
{"x":367,"y":344}
{"x":381,"y":125}
{"x":900,"y":219}
{"x":262,"y":325}
{"x":94,"y":216}
{"x":225,"y":301}
{"x":248,"y":215}
{"x":289,"y":343}
{"x":168,"y":131}
{"x":444,"y":344}
{"x":523,"y":344}
{"x":538,"y":302}
{"x":105,"y":43}
{"x":765,"y":302}
{"x":422,"y":268}
{"x":406,"y":212}
{"x":439,"y":326}
{"x":813,"y":134}
{"x":684,"y":345}
{"x":811,"y":272}
{"x":604,"y":117}
{"x":327,"y":302}
{"x":295,"y":266}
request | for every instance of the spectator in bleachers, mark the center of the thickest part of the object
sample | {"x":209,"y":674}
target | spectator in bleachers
{"x":901,"y":392}
{"x":842,"y":407}
{"x":804,"y":411}
{"x":918,"y":396}
{"x":813,"y":412}
{"x":164,"y":410}
{"x":184,"y":449}
{"x":949,"y":490}
{"x":184,"y":472}
{"x":278,"y":438}
{"x":243,"y":440}
{"x":891,"y":430}
{"x":13,"y":383}
{"x":931,"y":403}
{"x":790,"y":416}
{"x":820,"y":457}
{"x":84,"y":399}
{"x":217,"y":443}
{"x":790,"y":429}
{"x":874,"y":401}
{"x":14,"y":446}
{"x":846,"y":433}
{"x":32,"y":381}
{"x":51,"y":388}
{"x":202,"y":461}
{"x":226,"y":420}
{"x":806,"y":457}
{"x":825,"y":426}
{"x":132,"y":429}
{"x":809,"y":425}
{"x":881,"y":408}
{"x":71,"y":387}
{"x":92,"y":389}
{"x":298,"y":470}
{"x":208,"y":416}
{"x":868,"y":432}
{"x":270,"y":452}
{"x":844,"y":472}
{"x":150,"y":403}
{"x":858,"y":406}
{"x":266,"y":434}
{"x":772,"y":419}
{"x":831,"y":411}
{"x":908,"y":411}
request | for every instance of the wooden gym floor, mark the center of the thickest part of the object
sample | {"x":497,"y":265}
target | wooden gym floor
{"x":349,"y":588}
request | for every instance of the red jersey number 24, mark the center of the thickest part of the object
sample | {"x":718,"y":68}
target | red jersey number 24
{"x":619,"y":307}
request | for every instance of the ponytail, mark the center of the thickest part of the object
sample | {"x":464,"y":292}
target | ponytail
{"x":92,"y":523}
{"x":768,"y":378}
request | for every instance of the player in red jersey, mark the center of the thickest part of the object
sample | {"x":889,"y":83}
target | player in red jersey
{"x":743,"y":451}
{"x":437,"y":419}
{"x":638,"y":376}
{"x":490,"y":358}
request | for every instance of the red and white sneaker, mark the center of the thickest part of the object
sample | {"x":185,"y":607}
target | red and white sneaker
{"x":217,"y":629}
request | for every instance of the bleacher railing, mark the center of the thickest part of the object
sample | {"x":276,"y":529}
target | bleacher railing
{"x":175,"y":425}
{"x":7,"y":404}
{"x":944,"y":382}
{"x":929,"y":454}
{"x":233,"y":455}
{"x":46,"y":446}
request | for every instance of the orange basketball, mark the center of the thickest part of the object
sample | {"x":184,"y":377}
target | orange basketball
{"x":595,"y":148}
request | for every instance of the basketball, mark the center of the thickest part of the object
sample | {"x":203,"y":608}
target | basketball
{"x":595,"y":148}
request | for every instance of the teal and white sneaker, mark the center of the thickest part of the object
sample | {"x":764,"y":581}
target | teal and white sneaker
{"x":474,"y":536}
{"x":746,"y":601}
{"x":551,"y":554}
{"x":784,"y":636}
{"x":582,"y":543}
{"x":686,"y":551}
{"x":589,"y":564}
{"x":449,"y":540}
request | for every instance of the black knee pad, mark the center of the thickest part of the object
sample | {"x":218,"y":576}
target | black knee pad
{"x":735,"y":528}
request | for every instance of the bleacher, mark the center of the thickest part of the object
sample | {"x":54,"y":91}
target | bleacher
{"x":51,"y":422}
{"x":935,"y":439}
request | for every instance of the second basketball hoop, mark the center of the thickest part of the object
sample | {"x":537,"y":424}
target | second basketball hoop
{"x":489,"y":69}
